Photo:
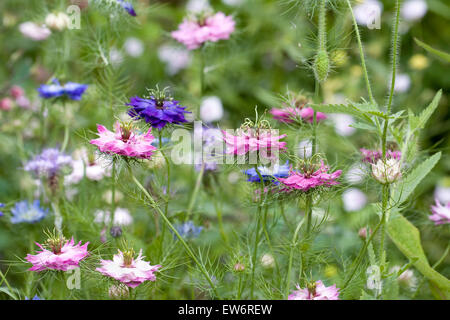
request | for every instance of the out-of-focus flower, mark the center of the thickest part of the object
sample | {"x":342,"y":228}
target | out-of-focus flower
{"x":34,"y":298}
{"x":25,"y":211}
{"x":198,"y":6}
{"x":362,"y":233}
{"x":407,"y":278}
{"x":342,"y":124}
{"x":311,"y":178}
{"x":211,"y":109}
{"x":133,"y":47}
{"x":402,"y":83}
{"x":49,"y":163}
{"x":124,"y":141}
{"x":440,"y":214}
{"x":239,"y":267}
{"x":16,"y":92}
{"x":107,"y":196}
{"x":305,"y":149}
{"x":6,"y":104}
{"x":23,"y":102}
{"x":115,"y":231}
{"x":63,"y":255}
{"x":289,"y":114}
{"x":413,"y":10}
{"x":34,"y":31}
{"x":72,"y":90}
{"x":118,"y":292}
{"x":372,"y":156}
{"x":387,"y":171}
{"x":176,"y":58}
{"x":95,"y":167}
{"x":158,"y":109}
{"x":128,"y":7}
{"x":268,"y":173}
{"x":210,"y":137}
{"x":57,"y":21}
{"x":2,"y":205}
{"x":115,"y":56}
{"x":367,"y":12}
{"x":188,"y":230}
{"x":122,"y":217}
{"x":442,"y":190}
{"x":315,"y":291}
{"x":267,"y":261}
{"x":419,"y":62}
{"x":129,"y":270}
{"x":354,"y":199}
{"x":193,"y":33}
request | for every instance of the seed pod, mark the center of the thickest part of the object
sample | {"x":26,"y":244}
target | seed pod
{"x":321,"y":66}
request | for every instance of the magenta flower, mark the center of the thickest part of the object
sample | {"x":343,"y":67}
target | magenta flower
{"x":193,"y":33}
{"x":315,"y":291}
{"x":124,"y":142}
{"x":251,"y":141}
{"x":372,"y":156}
{"x":131,"y":272}
{"x":60,"y":257}
{"x":288,"y":115}
{"x":440,"y":213}
{"x":308,"y":180}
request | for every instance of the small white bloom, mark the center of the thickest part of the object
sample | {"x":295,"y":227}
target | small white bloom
{"x":387,"y":171}
{"x":342,"y":123}
{"x":77,"y":173}
{"x":305,"y":149}
{"x":134,"y":47}
{"x":176,"y":58}
{"x":233,"y":177}
{"x":267,"y":261}
{"x":107,"y":196}
{"x":407,"y":278}
{"x":402,"y":83}
{"x":122,"y":217}
{"x":58,"y":21}
{"x":197,"y":6}
{"x":367,"y":12}
{"x":442,"y":193}
{"x":115,"y":56}
{"x":211,"y":109}
{"x":413,"y":10}
{"x":354,"y":199}
{"x":355,"y":174}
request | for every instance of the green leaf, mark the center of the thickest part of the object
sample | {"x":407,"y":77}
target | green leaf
{"x":361,"y":110}
{"x":426,"y":114}
{"x":441,"y":54}
{"x":407,"y":239}
{"x":406,"y":187}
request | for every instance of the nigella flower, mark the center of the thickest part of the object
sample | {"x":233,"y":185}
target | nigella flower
{"x":124,"y":141}
{"x":387,"y":171}
{"x":158,"y":109}
{"x":72,"y":90}
{"x":188,"y":230}
{"x":372,"y":156}
{"x":288,"y":115}
{"x":440,"y":213}
{"x":211,"y":138}
{"x":129,"y":270}
{"x":268,"y":174}
{"x":25,"y":211}
{"x":310,"y":178}
{"x":128,"y":7}
{"x":34,"y":298}
{"x":63,"y":255}
{"x":49,"y":163}
{"x":194,"y":32}
{"x":315,"y":291}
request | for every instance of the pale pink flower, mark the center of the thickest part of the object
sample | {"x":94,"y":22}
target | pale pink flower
{"x":34,"y":31}
{"x":124,"y":142}
{"x":194,"y":33}
{"x":131,"y":272}
{"x":6,"y":104}
{"x":440,"y":213}
{"x":305,"y":181}
{"x":317,"y":291}
{"x":249,"y":140}
{"x":288,"y":115}
{"x":67,"y":257}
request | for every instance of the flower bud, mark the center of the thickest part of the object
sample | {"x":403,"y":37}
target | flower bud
{"x":387,"y":171}
{"x":58,"y":21}
{"x":239,"y":267}
{"x":321,"y":66}
{"x":362,"y":233}
{"x":268,"y":261}
{"x":118,"y":292}
{"x":115,"y":232}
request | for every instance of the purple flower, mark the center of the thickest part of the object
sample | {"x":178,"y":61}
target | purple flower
{"x":188,"y":230}
{"x":315,"y":291}
{"x":128,"y":7}
{"x":49,"y":163}
{"x":268,"y":174}
{"x":372,"y":156}
{"x":2,"y":205}
{"x":440,"y":213}
{"x":24,"y":211}
{"x":72,"y":90}
{"x":157,"y":109}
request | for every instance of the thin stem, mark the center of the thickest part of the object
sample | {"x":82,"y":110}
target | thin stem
{"x":196,"y":190}
{"x":385,"y":203}
{"x":113,"y":194}
{"x":291,"y":257}
{"x":166,"y":207}
{"x":174,"y":230}
{"x":361,"y":54}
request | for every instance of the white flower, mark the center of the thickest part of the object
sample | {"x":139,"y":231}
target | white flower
{"x":354,"y":199}
{"x":176,"y":58}
{"x":402,"y":82}
{"x":77,"y":173}
{"x":367,"y":12}
{"x":211,"y":109}
{"x":305,"y":149}
{"x":107,"y":196}
{"x":134,"y":47}
{"x":387,"y":171}
{"x":407,"y":278}
{"x":413,"y":10}
{"x":267,"y":261}
{"x":197,"y":6}
{"x":58,"y":21}
{"x":115,"y":56}
{"x":355,"y":174}
{"x":33,"y":31}
{"x":342,"y":123}
{"x":442,"y":193}
{"x":122,"y":217}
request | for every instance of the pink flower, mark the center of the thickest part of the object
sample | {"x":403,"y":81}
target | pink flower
{"x":131,"y":272}
{"x":194,"y":33}
{"x":287,"y":115}
{"x":250,"y":141}
{"x":16,"y":92}
{"x":124,"y":142}
{"x":33,"y":31}
{"x":316,"y":291}
{"x":441,"y":214}
{"x":6,"y":104}
{"x":61,"y":257}
{"x":305,"y":181}
{"x":372,"y":156}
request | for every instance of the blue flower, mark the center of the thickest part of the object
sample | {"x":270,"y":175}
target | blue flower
{"x":128,"y":7}
{"x":24,"y":211}
{"x":267,"y":173}
{"x":2,"y":205}
{"x":48,"y":163}
{"x":34,"y":298}
{"x":188,"y":230}
{"x":73,"y":90}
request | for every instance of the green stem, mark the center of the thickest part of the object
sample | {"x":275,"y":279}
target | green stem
{"x":166,"y":206}
{"x":291,"y":257}
{"x":196,"y":190}
{"x":113,"y":194}
{"x":322,"y":37}
{"x":174,"y":230}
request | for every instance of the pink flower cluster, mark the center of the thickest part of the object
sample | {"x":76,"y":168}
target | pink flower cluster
{"x":440,"y":213}
{"x":194,"y":33}
{"x":18,"y":96}
{"x":124,"y":143}
{"x":131,"y":274}
{"x":67,"y":258}
{"x":304,"y":181}
{"x":318,"y":291}
{"x":372,"y":156}
{"x":251,"y":141}
{"x":287,"y":115}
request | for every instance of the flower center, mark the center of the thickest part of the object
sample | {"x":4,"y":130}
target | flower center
{"x":55,"y":244}
{"x":128,"y":257}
